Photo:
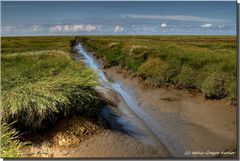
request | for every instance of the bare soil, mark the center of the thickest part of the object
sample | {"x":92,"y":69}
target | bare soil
{"x":77,"y":137}
{"x":198,"y":123}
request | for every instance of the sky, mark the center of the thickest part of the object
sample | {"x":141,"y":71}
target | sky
{"x":118,"y":18}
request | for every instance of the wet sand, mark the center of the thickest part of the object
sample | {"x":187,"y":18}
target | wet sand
{"x":195,"y":122}
{"x":77,"y":137}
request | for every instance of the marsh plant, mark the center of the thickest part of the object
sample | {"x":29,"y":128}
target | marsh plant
{"x":10,"y":142}
{"x":40,"y":83}
{"x":201,"y":63}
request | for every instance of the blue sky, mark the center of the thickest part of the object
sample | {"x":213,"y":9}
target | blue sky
{"x":97,"y":18}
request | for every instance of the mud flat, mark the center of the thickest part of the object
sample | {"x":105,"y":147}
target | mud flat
{"x":198,"y":124}
{"x":77,"y":137}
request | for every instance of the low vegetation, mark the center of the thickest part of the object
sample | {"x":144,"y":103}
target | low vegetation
{"x":10,"y":143}
{"x":41,"y":82}
{"x":203,"y":63}
{"x":35,"y":43}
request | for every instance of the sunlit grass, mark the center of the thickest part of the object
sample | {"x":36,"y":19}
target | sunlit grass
{"x":191,"y":62}
{"x":41,"y":82}
{"x":10,"y":143}
{"x":38,"y":85}
{"x":35,"y":43}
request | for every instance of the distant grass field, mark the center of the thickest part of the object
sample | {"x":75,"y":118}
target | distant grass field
{"x":203,"y":63}
{"x":41,"y":82}
{"x":35,"y":43}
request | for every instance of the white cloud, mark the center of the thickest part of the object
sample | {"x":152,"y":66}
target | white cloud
{"x":221,"y":26}
{"x":8,"y":28}
{"x":91,"y":27}
{"x":163,"y":25}
{"x":73,"y":28}
{"x":173,"y":17}
{"x":206,"y":25}
{"x":35,"y":28}
{"x":118,"y":28}
{"x":55,"y":28}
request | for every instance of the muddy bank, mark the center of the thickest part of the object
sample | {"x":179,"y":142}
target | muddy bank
{"x":78,"y":137}
{"x":195,"y":122}
{"x":66,"y":133}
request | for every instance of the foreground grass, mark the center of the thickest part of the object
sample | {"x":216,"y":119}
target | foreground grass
{"x":10,"y":143}
{"x":203,"y":63}
{"x":41,"y":82}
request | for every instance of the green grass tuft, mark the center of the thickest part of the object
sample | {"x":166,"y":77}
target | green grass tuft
{"x":154,"y":70}
{"x":36,"y":86}
{"x":214,"y":86}
{"x":186,"y":78}
{"x":10,"y":143}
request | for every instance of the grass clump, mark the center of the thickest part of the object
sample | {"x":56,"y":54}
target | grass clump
{"x":37,"y":86}
{"x":154,"y":70}
{"x":186,"y":78}
{"x":137,"y":56}
{"x":214,"y":86}
{"x":114,"y":56}
{"x":231,"y":89}
{"x":10,"y":143}
{"x":173,"y":70}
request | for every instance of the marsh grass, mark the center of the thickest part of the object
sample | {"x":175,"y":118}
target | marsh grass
{"x":10,"y":142}
{"x":36,"y":86}
{"x":35,"y":43}
{"x":41,"y":82}
{"x":201,"y":63}
{"x":214,"y":85}
{"x":154,"y":70}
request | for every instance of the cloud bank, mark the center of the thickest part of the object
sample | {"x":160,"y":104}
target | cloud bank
{"x":118,"y":28}
{"x":163,"y":25}
{"x":73,"y":28}
{"x":172,"y":17}
{"x":206,"y":25}
{"x":147,"y":28}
